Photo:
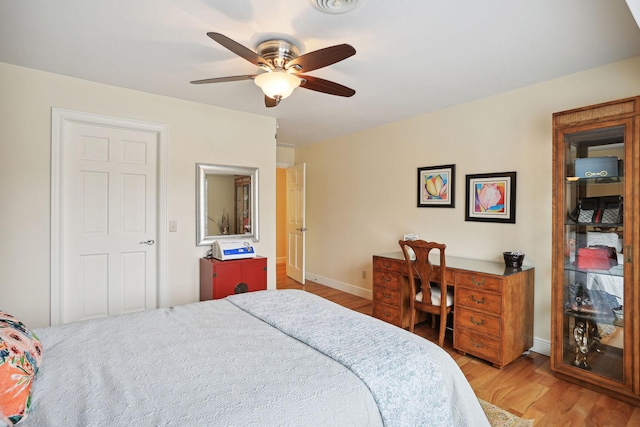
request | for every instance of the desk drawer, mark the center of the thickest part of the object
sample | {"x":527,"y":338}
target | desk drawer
{"x":476,"y":321}
{"x":477,"y":300}
{"x":387,"y":313}
{"x":386,"y":279}
{"x":479,"y":345}
{"x":479,"y":281}
{"x":387,"y":264}
{"x":386,"y":295}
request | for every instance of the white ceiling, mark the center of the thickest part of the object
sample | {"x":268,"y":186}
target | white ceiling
{"x":412,"y":57}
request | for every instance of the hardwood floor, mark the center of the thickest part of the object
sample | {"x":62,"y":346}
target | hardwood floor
{"x":526,"y":387}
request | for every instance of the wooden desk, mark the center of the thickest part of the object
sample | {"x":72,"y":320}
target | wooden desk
{"x":493,"y":307}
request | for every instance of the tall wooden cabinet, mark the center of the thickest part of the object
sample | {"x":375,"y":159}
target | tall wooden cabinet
{"x":596,"y":223}
{"x":243,"y":205}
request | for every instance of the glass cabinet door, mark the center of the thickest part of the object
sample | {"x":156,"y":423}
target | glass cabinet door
{"x":593,"y":285}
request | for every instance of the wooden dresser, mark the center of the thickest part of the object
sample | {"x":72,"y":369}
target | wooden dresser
{"x":493,"y":309}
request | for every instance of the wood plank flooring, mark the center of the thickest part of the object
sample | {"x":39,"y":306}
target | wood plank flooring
{"x":526,"y":387}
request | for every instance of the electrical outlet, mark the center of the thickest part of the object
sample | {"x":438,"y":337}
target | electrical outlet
{"x":173,"y":226}
{"x":364,"y":274}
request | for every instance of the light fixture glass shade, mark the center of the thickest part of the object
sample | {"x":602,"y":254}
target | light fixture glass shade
{"x":277,"y":84}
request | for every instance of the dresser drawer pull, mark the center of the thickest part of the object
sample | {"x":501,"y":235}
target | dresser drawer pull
{"x":477,"y":301}
{"x":387,"y":313}
{"x":386,"y":264}
{"x":386,"y":295}
{"x":386,"y":280}
{"x":480,"y":283}
{"x":480,"y":323}
{"x":477,"y":344}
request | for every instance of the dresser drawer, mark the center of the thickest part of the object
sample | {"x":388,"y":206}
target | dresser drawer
{"x":387,"y":264}
{"x":387,"y":313}
{"x":477,"y":322}
{"x":386,"y":295}
{"x":480,"y":345}
{"x":478,"y":300}
{"x":479,"y":281}
{"x":386,"y":279}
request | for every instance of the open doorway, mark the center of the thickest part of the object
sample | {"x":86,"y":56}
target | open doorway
{"x":290,"y":223}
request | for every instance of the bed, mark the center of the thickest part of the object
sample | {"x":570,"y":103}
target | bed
{"x":267,"y":358}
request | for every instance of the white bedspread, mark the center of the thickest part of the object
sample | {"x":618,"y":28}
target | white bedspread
{"x":209,"y":364}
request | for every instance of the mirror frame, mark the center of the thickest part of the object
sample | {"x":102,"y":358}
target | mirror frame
{"x":204,"y":169}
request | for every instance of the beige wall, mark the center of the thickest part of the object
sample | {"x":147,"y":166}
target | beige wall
{"x":197,"y":133}
{"x":361,"y":189}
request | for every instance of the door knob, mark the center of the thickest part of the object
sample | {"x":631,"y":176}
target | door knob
{"x":148,"y":242}
{"x":301,"y":229}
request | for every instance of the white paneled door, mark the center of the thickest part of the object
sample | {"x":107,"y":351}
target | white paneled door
{"x":109,"y":221}
{"x":296,"y":229}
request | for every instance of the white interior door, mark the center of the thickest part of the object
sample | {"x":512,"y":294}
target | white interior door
{"x":109,"y":220}
{"x":296,"y":191}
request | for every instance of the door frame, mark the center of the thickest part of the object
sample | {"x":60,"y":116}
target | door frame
{"x":60,"y":117}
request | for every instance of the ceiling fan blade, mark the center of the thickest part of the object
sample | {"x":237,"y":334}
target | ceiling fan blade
{"x":240,"y":50}
{"x":270,"y":102}
{"x":322,"y":57}
{"x":224,"y":79}
{"x":325,"y":86}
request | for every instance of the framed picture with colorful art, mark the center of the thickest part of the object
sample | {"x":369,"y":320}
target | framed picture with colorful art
{"x":436,"y":186}
{"x":491,"y":197}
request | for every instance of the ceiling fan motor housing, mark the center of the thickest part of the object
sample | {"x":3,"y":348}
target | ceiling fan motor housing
{"x":278,"y":52}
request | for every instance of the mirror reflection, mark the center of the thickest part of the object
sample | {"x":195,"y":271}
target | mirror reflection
{"x":227,"y":202}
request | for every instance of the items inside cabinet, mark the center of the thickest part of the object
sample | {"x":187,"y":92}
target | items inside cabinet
{"x":593,"y":286}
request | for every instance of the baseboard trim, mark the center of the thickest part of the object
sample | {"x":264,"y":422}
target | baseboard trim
{"x":540,"y":345}
{"x":341,"y":286}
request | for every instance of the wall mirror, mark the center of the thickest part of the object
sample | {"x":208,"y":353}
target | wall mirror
{"x":226,"y":203}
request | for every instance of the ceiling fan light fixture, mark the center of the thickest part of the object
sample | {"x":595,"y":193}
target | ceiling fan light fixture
{"x":335,"y":7}
{"x":277,"y":84}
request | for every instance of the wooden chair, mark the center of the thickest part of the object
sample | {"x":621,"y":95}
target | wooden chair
{"x":427,"y":298}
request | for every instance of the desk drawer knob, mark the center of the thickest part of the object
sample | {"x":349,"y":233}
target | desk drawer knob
{"x":386,"y":295}
{"x":478,"y":283}
{"x":477,"y":344}
{"x":477,"y":301}
{"x":480,"y":323}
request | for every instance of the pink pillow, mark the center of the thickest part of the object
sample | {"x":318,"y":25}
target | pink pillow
{"x":20,"y":356}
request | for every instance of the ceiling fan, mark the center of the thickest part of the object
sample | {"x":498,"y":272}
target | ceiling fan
{"x":283,"y":64}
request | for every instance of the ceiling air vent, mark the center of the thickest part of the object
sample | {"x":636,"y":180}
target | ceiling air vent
{"x":335,"y":6}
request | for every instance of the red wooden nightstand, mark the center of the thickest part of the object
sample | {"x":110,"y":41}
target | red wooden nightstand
{"x":219,"y":279}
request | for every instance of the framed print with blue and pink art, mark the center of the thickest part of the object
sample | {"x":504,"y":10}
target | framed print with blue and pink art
{"x":491,"y":197}
{"x":436,"y":186}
